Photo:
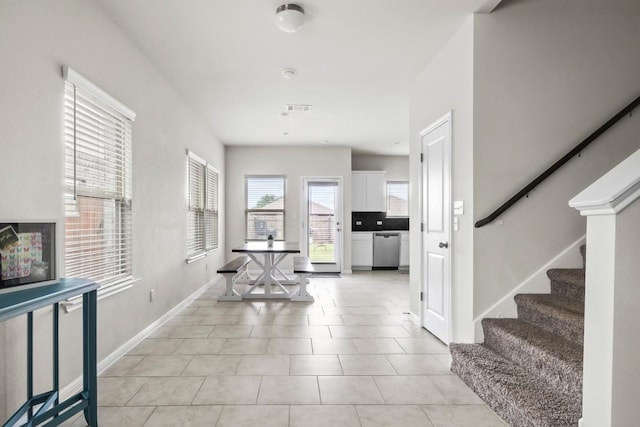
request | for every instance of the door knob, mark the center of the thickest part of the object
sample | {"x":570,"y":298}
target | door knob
{"x":443,"y":245}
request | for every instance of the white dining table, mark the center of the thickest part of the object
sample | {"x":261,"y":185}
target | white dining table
{"x":268,"y":257}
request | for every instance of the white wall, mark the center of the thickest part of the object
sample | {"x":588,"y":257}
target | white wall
{"x":397,"y":167}
{"x":295,"y":163}
{"x":546,"y":74}
{"x":36,"y":39}
{"x":446,"y":84}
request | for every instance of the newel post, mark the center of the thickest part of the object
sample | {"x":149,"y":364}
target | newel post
{"x":611,"y":375}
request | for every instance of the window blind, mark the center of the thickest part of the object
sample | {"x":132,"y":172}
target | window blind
{"x":398,"y":198}
{"x":265,"y":207}
{"x":98,"y":183}
{"x":211,"y":209}
{"x":202,"y":206}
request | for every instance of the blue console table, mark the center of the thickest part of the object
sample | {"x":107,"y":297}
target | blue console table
{"x":46,"y":408}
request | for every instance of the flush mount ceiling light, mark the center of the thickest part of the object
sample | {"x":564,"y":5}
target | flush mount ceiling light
{"x":289,"y":17}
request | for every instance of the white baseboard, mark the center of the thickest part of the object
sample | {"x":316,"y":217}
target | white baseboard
{"x":537,"y":283}
{"x":75,"y":386}
{"x":415,"y":318}
{"x":347,"y":272}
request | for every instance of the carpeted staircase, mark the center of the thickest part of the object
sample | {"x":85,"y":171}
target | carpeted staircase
{"x":529,"y":369}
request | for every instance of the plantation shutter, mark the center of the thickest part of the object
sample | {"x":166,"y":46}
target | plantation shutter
{"x":98,"y":183}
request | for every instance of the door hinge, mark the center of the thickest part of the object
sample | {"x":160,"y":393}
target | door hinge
{"x":421,"y":296}
{"x":422,"y":226}
{"x":421,"y":157}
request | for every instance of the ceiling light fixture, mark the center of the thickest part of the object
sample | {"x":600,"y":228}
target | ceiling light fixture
{"x":289,"y":17}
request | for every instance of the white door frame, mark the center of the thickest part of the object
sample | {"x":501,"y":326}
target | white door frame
{"x":340,"y":224}
{"x":448,"y":117}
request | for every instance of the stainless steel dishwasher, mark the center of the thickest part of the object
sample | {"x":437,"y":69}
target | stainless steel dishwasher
{"x":386,"y":250}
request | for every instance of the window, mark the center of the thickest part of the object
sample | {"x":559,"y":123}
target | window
{"x":265,"y":207}
{"x":398,"y":198}
{"x":202,"y":207}
{"x":98,"y":184}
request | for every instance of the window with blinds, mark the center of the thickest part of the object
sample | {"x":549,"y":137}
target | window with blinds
{"x":398,"y":198}
{"x":202,"y":207}
{"x":98,"y":183}
{"x":265,"y":207}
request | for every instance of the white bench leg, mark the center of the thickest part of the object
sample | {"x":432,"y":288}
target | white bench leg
{"x":231,"y":294}
{"x":302,"y":294}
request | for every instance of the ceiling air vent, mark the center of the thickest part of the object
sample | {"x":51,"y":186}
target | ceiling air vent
{"x":298,"y":107}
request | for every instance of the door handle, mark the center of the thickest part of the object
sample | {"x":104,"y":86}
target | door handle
{"x":443,"y":245}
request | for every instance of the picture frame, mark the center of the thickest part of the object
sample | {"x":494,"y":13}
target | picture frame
{"x":27,"y":254}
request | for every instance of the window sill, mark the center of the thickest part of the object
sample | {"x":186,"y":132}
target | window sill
{"x":103,"y":292}
{"x":201,"y":255}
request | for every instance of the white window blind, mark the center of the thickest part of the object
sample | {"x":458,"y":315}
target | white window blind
{"x":98,"y":183}
{"x":202,"y":207}
{"x":398,"y":198}
{"x":265,"y":207}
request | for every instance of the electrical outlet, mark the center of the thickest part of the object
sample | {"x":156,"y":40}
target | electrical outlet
{"x":152,"y":294}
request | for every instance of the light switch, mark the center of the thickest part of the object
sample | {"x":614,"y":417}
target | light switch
{"x":458,"y":207}
{"x":456,"y":227}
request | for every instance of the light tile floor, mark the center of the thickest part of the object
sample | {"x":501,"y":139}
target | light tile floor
{"x":351,"y":358}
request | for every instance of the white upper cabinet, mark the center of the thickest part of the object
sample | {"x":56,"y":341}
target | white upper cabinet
{"x":368,"y":191}
{"x":358,"y":192}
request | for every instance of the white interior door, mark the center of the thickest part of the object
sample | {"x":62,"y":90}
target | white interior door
{"x":436,"y":217}
{"x":322,"y":223}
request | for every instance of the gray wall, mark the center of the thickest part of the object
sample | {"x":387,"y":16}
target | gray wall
{"x":397,"y":167}
{"x":525,"y":84}
{"x":546,"y":74}
{"x":295,"y":163}
{"x":36,"y":39}
{"x":446,"y":85}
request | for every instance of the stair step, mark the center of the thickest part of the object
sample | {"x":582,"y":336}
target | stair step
{"x":557,"y":315}
{"x":567,"y":283}
{"x":519,"y":397}
{"x":554,"y":359}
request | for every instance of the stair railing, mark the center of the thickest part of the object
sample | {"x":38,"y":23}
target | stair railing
{"x":557,"y":165}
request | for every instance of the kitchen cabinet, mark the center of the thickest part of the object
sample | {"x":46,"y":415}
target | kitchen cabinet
{"x":404,"y":250}
{"x":361,"y":250}
{"x":368,"y":191}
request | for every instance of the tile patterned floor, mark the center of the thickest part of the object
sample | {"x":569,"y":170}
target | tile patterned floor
{"x":351,"y":358}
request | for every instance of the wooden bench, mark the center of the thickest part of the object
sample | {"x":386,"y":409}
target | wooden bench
{"x":233,"y":271}
{"x":303,"y":268}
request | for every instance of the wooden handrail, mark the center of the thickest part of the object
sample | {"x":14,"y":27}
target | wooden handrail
{"x":557,"y":165}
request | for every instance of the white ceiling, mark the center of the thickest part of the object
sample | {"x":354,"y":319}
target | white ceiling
{"x":354,"y":62}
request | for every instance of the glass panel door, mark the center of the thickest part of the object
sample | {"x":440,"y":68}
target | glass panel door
{"x":323,"y":230}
